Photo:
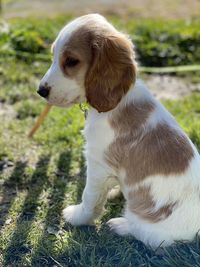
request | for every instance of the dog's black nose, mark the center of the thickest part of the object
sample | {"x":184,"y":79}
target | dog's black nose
{"x":43,"y":91}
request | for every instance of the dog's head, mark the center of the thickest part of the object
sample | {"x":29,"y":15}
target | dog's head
{"x":91,"y":61}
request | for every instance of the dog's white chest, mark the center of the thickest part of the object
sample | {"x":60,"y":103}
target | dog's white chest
{"x":98,"y":133}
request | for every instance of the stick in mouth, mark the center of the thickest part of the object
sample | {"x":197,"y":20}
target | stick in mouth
{"x":40,"y":119}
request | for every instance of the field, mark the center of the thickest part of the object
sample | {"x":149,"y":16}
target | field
{"x":40,"y":176}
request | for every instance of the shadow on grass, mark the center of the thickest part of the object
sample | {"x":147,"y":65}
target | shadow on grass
{"x":52,"y":241}
{"x":52,"y":221}
{"x":18,"y":243}
{"x":10,"y":190}
{"x":97,"y":246}
{"x":81,"y":246}
{"x":81,"y":179}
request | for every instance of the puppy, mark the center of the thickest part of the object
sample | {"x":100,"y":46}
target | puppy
{"x":132,"y":140}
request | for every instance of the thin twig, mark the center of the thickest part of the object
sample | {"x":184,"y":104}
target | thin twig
{"x":40,"y":119}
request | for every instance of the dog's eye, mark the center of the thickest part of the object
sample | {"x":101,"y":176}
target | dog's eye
{"x":71,"y":62}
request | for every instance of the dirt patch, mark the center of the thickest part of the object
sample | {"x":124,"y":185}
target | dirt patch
{"x":7,"y":111}
{"x":169,"y":87}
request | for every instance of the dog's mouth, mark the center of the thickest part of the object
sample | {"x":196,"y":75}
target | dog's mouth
{"x":59,"y":103}
{"x":63,"y":103}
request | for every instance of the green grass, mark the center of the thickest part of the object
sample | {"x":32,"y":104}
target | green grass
{"x":157,"y":42}
{"x":40,"y":176}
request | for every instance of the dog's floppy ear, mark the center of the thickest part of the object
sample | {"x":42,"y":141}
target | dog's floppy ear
{"x":112,"y":71}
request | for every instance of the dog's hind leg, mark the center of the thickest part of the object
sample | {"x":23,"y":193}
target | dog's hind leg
{"x":114,"y":192}
{"x":120,"y":226}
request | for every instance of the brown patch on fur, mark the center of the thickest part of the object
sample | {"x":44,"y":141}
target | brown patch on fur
{"x":141,"y":203}
{"x":145,"y":152}
{"x":112,"y":72}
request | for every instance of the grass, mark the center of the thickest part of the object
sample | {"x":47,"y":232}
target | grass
{"x":157,"y":43}
{"x":40,"y":176}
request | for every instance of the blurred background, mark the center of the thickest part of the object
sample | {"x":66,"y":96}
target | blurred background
{"x":165,"y":33}
{"x":42,"y":175}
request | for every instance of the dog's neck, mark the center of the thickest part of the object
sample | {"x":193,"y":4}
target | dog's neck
{"x":138,"y":93}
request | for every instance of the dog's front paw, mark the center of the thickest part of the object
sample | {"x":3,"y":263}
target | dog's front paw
{"x":77,"y":215}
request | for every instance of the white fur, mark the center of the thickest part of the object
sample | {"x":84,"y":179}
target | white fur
{"x":184,"y":222}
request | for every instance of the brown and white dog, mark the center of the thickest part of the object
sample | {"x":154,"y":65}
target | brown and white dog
{"x":132,"y":141}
